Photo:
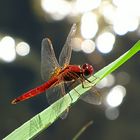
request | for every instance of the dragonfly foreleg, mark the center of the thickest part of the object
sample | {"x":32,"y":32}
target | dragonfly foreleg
{"x":75,"y":79}
{"x":85,"y":79}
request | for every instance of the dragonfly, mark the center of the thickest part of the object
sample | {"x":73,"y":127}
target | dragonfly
{"x":56,"y":75}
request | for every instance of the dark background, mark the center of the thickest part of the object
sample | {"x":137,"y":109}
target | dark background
{"x":18,"y":19}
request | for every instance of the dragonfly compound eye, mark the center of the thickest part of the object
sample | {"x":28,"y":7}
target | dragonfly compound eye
{"x":87,"y":69}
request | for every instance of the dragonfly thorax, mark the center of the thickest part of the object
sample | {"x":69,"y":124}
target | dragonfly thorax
{"x":87,"y":69}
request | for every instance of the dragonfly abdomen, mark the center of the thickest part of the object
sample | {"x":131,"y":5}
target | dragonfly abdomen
{"x":35,"y":91}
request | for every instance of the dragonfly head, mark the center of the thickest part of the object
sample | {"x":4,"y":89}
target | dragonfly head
{"x":87,"y":69}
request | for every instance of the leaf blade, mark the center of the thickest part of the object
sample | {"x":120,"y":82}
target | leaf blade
{"x":44,"y":119}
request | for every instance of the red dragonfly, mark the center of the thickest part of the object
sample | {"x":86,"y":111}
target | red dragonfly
{"x":61,"y":72}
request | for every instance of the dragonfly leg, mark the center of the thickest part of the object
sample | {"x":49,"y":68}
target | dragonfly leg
{"x":76,"y":78}
{"x":88,"y":80}
{"x":71,"y":97}
{"x":72,"y":85}
{"x":95,"y":90}
{"x":95,"y":78}
{"x":83,"y":78}
{"x":77,"y":92}
{"x":83,"y":85}
{"x":63,"y":92}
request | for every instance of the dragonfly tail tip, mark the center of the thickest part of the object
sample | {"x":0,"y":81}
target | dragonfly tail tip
{"x":14,"y":101}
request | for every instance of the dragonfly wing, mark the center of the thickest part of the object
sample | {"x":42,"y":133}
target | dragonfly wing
{"x":65,"y":113}
{"x":55,"y":94}
{"x":92,"y":97}
{"x":48,"y":59}
{"x":65,"y":54}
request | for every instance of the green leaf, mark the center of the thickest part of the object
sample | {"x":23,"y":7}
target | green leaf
{"x":44,"y":119}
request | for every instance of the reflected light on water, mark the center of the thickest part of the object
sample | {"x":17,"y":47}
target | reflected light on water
{"x":86,"y":5}
{"x":105,"y":42}
{"x":57,"y":8}
{"x":123,"y":78}
{"x":108,"y":81}
{"x":108,"y":11}
{"x":22,"y":48}
{"x":7,"y":49}
{"x":76,"y":44}
{"x":88,"y":46}
{"x":89,"y":25}
{"x":121,"y":16}
{"x":115,"y":96}
{"x":112,"y":113}
{"x":124,"y":22}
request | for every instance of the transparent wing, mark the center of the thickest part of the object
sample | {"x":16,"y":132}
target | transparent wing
{"x":48,"y":59}
{"x":65,"y":113}
{"x":65,"y":54}
{"x":54,"y":94}
{"x":92,"y":97}
{"x":49,"y":63}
